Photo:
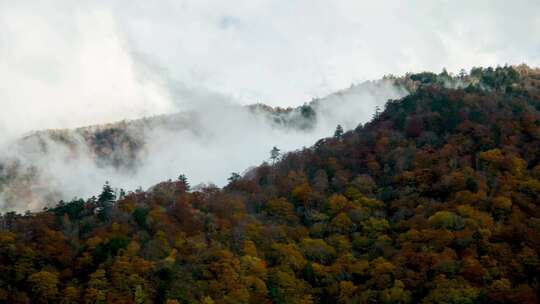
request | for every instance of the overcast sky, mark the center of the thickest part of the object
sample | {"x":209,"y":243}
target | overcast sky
{"x":72,"y":63}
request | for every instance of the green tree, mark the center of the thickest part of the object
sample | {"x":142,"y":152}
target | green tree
{"x":105,"y":202}
{"x":184,"y":181}
{"x":446,"y":220}
{"x":338,"y":134}
{"x":139,"y":295}
{"x":44,"y":286}
{"x":274,"y":154}
{"x":107,"y":195}
{"x":234,"y":177}
{"x":456,"y":291}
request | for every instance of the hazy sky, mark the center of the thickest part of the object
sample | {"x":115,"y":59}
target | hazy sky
{"x":70,"y":63}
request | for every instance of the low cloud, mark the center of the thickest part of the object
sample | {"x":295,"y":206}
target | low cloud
{"x":74,"y":63}
{"x":207,"y":143}
{"x":68,"y":67}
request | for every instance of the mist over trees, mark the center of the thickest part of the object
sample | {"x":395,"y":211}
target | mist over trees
{"x":206,"y":143}
{"x":435,"y":200}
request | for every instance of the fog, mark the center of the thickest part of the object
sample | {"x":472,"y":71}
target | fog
{"x":213,"y":139}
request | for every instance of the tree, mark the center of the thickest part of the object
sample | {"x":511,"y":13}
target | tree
{"x":301,"y":193}
{"x":97,"y":287}
{"x":346,"y":292}
{"x":121,"y":194}
{"x":318,"y":250}
{"x":342,"y":224}
{"x":234,"y":177}
{"x":320,"y":181}
{"x":44,"y":285}
{"x":377,"y":113}
{"x":107,"y":195}
{"x":446,"y":220}
{"x":274,"y":154}
{"x":452,"y":291}
{"x":184,"y":181}
{"x":396,"y":294}
{"x":105,"y":202}
{"x":139,"y":295}
{"x":288,"y":255}
{"x":70,"y":295}
{"x":280,"y":210}
{"x":413,"y":127}
{"x":338,"y":134}
{"x":444,"y":73}
{"x":285,"y":288}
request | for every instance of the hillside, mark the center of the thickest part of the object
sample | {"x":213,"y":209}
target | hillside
{"x":45,"y":166}
{"x":119,"y":147}
{"x":435,"y":200}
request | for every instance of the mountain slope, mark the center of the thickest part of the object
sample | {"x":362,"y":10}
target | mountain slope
{"x":433,"y":201}
{"x":50,"y":165}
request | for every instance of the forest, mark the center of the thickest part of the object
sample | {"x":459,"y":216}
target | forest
{"x":435,"y":200}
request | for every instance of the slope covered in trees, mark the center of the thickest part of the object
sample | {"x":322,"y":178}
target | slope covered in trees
{"x":133,"y":153}
{"x":436,"y":200}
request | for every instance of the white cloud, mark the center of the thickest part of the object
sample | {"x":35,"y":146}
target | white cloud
{"x":67,"y":63}
{"x":285,"y":52}
{"x":69,"y":67}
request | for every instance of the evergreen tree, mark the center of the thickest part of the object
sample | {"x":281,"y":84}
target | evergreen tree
{"x":107,"y":195}
{"x":121,"y":194}
{"x":234,"y":177}
{"x":338,"y":134}
{"x":444,"y":73}
{"x":105,"y":202}
{"x":184,"y":181}
{"x":274,"y":154}
{"x":377,"y":113}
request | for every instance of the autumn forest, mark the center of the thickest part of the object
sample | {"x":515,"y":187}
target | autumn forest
{"x":435,"y":200}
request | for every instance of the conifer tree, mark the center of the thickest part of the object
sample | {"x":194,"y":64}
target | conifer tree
{"x":184,"y":181}
{"x":234,"y":177}
{"x":338,"y":134}
{"x":105,"y":202}
{"x":107,"y":195}
{"x":274,"y":154}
